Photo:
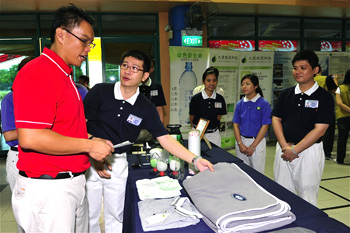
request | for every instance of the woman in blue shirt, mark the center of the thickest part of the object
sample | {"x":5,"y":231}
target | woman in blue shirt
{"x":250,"y":124}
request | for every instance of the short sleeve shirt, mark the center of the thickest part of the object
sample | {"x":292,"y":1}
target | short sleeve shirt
{"x":111,"y":117}
{"x":8,"y":116}
{"x":201,"y":106}
{"x":251,"y":115}
{"x":301,"y":111}
{"x":45,"y":97}
{"x":154,"y":92}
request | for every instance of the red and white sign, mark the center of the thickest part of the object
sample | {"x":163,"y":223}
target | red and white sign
{"x":278,"y":45}
{"x":236,"y":45}
{"x":331,"y":46}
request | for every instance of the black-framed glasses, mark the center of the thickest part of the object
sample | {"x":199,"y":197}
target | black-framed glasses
{"x":133,"y":69}
{"x":85,"y":41}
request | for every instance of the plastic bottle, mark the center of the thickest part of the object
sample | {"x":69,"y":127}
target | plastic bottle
{"x":162,"y":166}
{"x":176,"y":166}
{"x":187,"y":82}
{"x":155,"y":155}
{"x":194,"y":145}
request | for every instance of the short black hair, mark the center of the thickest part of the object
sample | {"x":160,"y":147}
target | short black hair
{"x":306,"y":55}
{"x":139,"y":55}
{"x":210,"y":70}
{"x":84,"y":78}
{"x":23,"y":62}
{"x":69,"y":17}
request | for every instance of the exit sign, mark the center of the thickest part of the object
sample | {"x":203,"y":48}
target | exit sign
{"x":192,"y":41}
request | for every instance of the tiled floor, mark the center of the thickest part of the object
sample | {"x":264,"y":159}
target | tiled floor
{"x":334,"y":195}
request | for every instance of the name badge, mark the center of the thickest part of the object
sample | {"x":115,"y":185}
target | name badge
{"x":311,"y":103}
{"x":134,"y":120}
{"x":218,"y":105}
{"x":154,"y":93}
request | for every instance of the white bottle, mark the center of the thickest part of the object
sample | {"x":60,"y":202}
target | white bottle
{"x":187,"y":82}
{"x":194,"y":145}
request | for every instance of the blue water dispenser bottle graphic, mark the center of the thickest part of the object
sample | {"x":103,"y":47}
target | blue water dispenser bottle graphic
{"x":187,"y":82}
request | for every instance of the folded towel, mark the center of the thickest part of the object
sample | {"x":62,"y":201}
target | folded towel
{"x":160,"y":187}
{"x":231,"y":201}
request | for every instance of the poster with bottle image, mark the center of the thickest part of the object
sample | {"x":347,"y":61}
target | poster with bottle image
{"x":227,"y":62}
{"x":260,"y":64}
{"x":187,"y":65}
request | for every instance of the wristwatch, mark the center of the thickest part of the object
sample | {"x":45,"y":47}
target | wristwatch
{"x":194,"y":161}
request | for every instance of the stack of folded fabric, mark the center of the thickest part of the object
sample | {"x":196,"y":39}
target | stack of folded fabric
{"x":161,"y":187}
{"x":168,"y":213}
{"x":231,"y":201}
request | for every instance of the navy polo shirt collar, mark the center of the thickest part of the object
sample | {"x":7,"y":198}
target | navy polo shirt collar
{"x":147,"y":83}
{"x":254,"y":99}
{"x":205,"y":96}
{"x":118,"y":94}
{"x":308,"y":92}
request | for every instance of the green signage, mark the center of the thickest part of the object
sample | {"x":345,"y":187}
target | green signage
{"x":191,"y":41}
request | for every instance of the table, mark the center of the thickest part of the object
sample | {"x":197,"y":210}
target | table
{"x":307,"y":215}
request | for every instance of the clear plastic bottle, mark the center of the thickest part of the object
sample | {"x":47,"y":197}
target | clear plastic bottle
{"x":194,"y":145}
{"x":187,"y":82}
{"x":162,"y":166}
{"x":176,"y":166}
{"x":155,"y":155}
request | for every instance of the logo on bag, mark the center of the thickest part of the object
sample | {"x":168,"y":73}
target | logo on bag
{"x":239,"y":197}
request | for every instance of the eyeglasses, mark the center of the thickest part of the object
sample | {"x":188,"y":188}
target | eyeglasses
{"x":85,"y":42}
{"x":133,"y":69}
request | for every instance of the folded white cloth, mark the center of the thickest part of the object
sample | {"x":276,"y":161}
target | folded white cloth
{"x":231,"y":201}
{"x":160,"y":187}
{"x":164,"y":214}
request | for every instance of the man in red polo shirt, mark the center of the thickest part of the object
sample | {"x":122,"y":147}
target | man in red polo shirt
{"x":54,"y":150}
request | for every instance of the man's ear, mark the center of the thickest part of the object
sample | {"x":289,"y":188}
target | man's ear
{"x":316,"y":69}
{"x":59,"y":35}
{"x":145,"y":76}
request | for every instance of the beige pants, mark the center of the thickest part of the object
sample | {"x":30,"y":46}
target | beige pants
{"x":258,"y":158}
{"x":303,"y":175}
{"x":41,"y":205}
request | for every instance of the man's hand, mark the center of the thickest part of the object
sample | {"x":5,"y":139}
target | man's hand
{"x":288,"y":154}
{"x":203,"y":164}
{"x":242,"y":148}
{"x":100,"y":149}
{"x":100,"y":168}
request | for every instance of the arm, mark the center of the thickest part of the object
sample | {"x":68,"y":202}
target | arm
{"x":175,"y":148}
{"x":305,"y":143}
{"x":278,"y":129}
{"x":219,"y":117}
{"x":341,"y":104}
{"x":49,"y":142}
{"x":191,"y":120}
{"x":242,"y":147}
{"x":10,"y":135}
{"x":259,"y":137}
{"x":160,"y":112}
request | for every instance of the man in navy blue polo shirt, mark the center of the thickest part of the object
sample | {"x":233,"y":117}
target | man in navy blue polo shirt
{"x":118,"y":112}
{"x":300,"y":119}
{"x":154,"y":91}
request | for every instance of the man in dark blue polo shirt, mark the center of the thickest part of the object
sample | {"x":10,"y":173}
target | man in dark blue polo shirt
{"x":300,"y":119}
{"x":154,"y":91}
{"x":118,"y":112}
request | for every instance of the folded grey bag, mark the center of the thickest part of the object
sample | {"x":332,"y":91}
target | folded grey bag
{"x":231,"y":201}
